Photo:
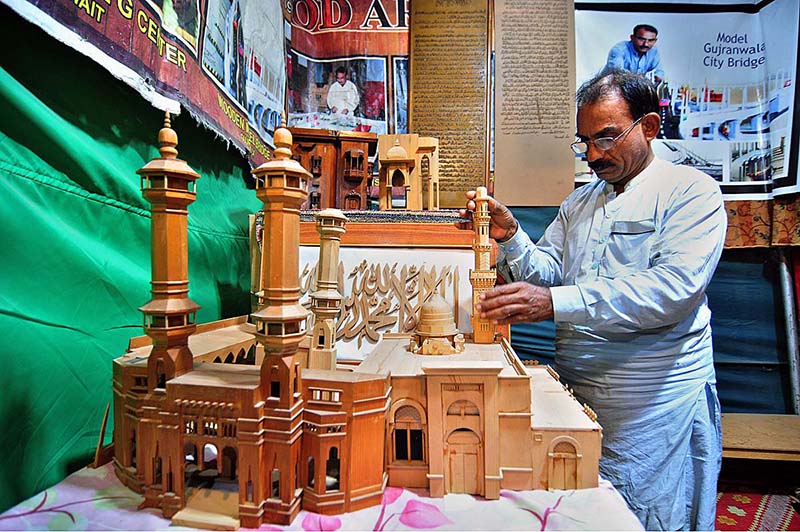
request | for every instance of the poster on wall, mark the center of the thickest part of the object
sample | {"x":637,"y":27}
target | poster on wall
{"x":347,"y":64}
{"x":223,"y":60}
{"x":726,"y":80}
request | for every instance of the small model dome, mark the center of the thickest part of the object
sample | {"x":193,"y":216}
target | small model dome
{"x":436,"y":318}
{"x":331,"y":213}
{"x":397,"y":151}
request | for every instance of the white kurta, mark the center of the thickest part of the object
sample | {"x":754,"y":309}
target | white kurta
{"x":628,"y":276}
{"x":343,"y":97}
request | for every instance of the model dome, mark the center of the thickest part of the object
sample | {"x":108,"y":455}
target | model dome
{"x":397,"y":151}
{"x":436,"y":318}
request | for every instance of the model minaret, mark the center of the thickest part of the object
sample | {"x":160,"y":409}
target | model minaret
{"x":326,"y":301}
{"x":169,"y":317}
{"x":482,"y":277}
{"x":282,"y":184}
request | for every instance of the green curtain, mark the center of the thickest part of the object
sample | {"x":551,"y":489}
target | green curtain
{"x":76,"y":246}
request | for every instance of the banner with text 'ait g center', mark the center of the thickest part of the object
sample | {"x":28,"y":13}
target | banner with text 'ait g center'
{"x":223,"y":60}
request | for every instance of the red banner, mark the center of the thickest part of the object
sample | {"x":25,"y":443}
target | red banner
{"x":223,"y":60}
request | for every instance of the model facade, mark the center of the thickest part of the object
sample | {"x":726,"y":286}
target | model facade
{"x":273,"y":426}
{"x":409,"y":172}
{"x":339,"y":163}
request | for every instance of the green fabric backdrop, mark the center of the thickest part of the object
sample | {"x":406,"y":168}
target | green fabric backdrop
{"x":76,"y":246}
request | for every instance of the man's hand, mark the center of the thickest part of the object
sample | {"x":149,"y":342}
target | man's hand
{"x":516,"y":303}
{"x":344,"y":111}
{"x":502,"y":224}
{"x":334,"y":109}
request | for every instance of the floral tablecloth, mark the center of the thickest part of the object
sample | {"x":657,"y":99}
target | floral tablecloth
{"x":94,"y":499}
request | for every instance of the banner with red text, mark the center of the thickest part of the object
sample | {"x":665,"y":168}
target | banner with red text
{"x":223,"y":60}
{"x":348,"y":65}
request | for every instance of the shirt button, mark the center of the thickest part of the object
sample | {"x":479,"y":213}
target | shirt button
{"x":595,"y":265}
{"x":511,"y":248}
{"x":602,"y":240}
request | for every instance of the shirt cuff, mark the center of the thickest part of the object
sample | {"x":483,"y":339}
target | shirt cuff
{"x":510,"y":252}
{"x":514,"y":244}
{"x":568,"y":305}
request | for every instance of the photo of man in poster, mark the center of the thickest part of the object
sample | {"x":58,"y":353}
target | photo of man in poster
{"x":639,"y":54}
{"x":343,"y":95}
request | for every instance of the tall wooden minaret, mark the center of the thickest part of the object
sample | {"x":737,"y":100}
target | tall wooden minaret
{"x":282,"y":185}
{"x":326,"y":301}
{"x":169,"y":317}
{"x":482,"y":277}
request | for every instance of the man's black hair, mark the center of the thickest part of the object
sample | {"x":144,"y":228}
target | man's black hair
{"x":341,"y":70}
{"x":645,"y":27}
{"x":635,"y":89}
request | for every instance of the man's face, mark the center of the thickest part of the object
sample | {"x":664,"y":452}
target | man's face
{"x":341,"y":77}
{"x":609,"y":117}
{"x":643,"y":40}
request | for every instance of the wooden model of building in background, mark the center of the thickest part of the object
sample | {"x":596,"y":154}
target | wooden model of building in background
{"x":339,"y":164}
{"x":341,"y":169}
{"x":409,"y":172}
{"x":224,"y":424}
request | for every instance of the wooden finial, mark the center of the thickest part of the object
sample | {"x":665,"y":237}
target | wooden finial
{"x":167,"y":139}
{"x":283,"y":140}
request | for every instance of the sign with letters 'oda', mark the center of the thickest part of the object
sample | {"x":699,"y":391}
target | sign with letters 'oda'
{"x":326,"y":15}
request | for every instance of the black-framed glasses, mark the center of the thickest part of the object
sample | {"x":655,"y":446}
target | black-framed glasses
{"x":604,"y":143}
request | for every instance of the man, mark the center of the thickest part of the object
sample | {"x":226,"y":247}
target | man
{"x":342,"y":94}
{"x":639,"y":54}
{"x":622,"y":271}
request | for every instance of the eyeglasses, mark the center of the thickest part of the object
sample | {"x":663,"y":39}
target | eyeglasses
{"x":603,"y":144}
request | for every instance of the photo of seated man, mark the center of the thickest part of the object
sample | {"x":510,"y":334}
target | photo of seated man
{"x":343,"y":95}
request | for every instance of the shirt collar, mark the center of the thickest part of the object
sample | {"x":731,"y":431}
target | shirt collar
{"x":650,"y":170}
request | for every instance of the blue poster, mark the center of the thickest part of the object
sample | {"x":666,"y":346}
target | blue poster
{"x":727,"y":82}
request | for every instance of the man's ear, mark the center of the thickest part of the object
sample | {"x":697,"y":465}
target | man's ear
{"x":651,"y":124}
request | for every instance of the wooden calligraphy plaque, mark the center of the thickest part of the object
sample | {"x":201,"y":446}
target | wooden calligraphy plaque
{"x":450,"y":88}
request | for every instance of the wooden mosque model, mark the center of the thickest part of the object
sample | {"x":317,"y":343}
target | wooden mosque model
{"x":238,"y":423}
{"x":409,"y":172}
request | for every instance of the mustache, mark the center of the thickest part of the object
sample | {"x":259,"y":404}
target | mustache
{"x":599,"y":165}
